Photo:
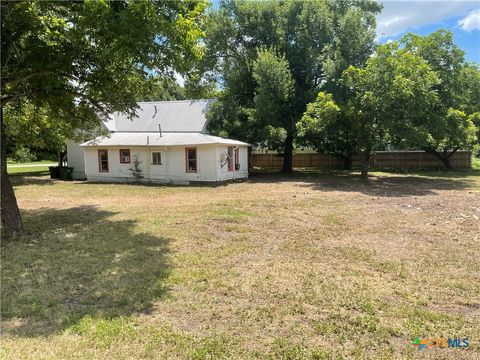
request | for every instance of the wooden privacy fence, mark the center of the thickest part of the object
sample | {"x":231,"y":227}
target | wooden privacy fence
{"x":380,"y":159}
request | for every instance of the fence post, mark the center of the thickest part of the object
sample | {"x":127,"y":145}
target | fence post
{"x":420,"y":159}
{"x":396,"y":159}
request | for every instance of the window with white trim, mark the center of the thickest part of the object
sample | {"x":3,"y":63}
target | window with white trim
{"x":191,"y":160}
{"x":103,"y":160}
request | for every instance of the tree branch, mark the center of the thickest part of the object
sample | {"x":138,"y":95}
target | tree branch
{"x":452,"y":152}
{"x":91,"y":100}
{"x":13,"y":82}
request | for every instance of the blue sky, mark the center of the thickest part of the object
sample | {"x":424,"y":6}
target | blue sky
{"x":462,"y":17}
{"x":425,"y":16}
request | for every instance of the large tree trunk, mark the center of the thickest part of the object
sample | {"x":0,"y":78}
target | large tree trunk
{"x":347,"y":163}
{"x":365,"y":163}
{"x":446,"y":162}
{"x":288,"y":153}
{"x":443,"y":156}
{"x":11,"y":220}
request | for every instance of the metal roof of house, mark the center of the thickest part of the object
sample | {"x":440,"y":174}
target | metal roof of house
{"x":154,"y":139}
{"x":173,"y":116}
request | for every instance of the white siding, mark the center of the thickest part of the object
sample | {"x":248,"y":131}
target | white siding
{"x":223,"y":172}
{"x":206,"y":169}
{"x":208,"y":164}
{"x":116,"y":170}
{"x":173,"y":168}
{"x":243,"y":171}
{"x":76,"y":159}
{"x":158,"y":172}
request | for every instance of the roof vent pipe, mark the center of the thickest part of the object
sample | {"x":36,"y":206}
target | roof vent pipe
{"x":160,"y":129}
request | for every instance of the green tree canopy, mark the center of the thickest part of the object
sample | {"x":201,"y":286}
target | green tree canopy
{"x":78,"y":60}
{"x":162,"y":88}
{"x":317,"y":39}
{"x":326,"y":128}
{"x":443,"y":127}
{"x":387,"y":97}
{"x":475,"y":119}
{"x":273,"y":96}
{"x":418,"y":93}
{"x":35,"y":127}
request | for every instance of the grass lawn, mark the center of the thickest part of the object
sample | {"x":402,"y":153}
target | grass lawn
{"x":46,"y":162}
{"x":476,"y":163}
{"x":308,"y":266}
{"x":30,"y":168}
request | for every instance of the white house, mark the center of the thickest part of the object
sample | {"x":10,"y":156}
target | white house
{"x":169,"y":142}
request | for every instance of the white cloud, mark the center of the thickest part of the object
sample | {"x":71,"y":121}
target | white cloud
{"x":471,"y":21}
{"x":399,"y":16}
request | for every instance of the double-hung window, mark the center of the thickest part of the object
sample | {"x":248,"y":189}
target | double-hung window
{"x":191,"y":160}
{"x":124,"y":156}
{"x":103,"y":160}
{"x":156,"y":158}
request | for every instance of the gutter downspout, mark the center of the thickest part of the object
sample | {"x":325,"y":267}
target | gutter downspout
{"x":167,"y":165}
{"x":236,"y":148}
{"x":149,"y":169}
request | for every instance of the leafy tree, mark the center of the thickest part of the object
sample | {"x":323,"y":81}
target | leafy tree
{"x":23,"y":155}
{"x":166,"y":88}
{"x":470,"y":84}
{"x":162,"y":88}
{"x":437,"y":121}
{"x":33,"y":126}
{"x":388,"y":97}
{"x":80,"y":60}
{"x":198,"y":87}
{"x":475,"y":119}
{"x":445,"y":127}
{"x":313,"y":37}
{"x":353,"y":32}
{"x":416,"y":94}
{"x":273,"y":96}
{"x":326,"y":127}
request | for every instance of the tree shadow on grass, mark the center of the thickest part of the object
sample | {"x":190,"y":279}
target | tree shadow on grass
{"x":379,"y":184}
{"x":77,"y":262}
{"x":29,"y":173}
{"x":23,"y":179}
{"x":45,"y":180}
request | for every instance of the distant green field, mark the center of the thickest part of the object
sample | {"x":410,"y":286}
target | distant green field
{"x":40,"y":162}
{"x":476,"y":163}
{"x":28,"y":171}
{"x":30,"y":168}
